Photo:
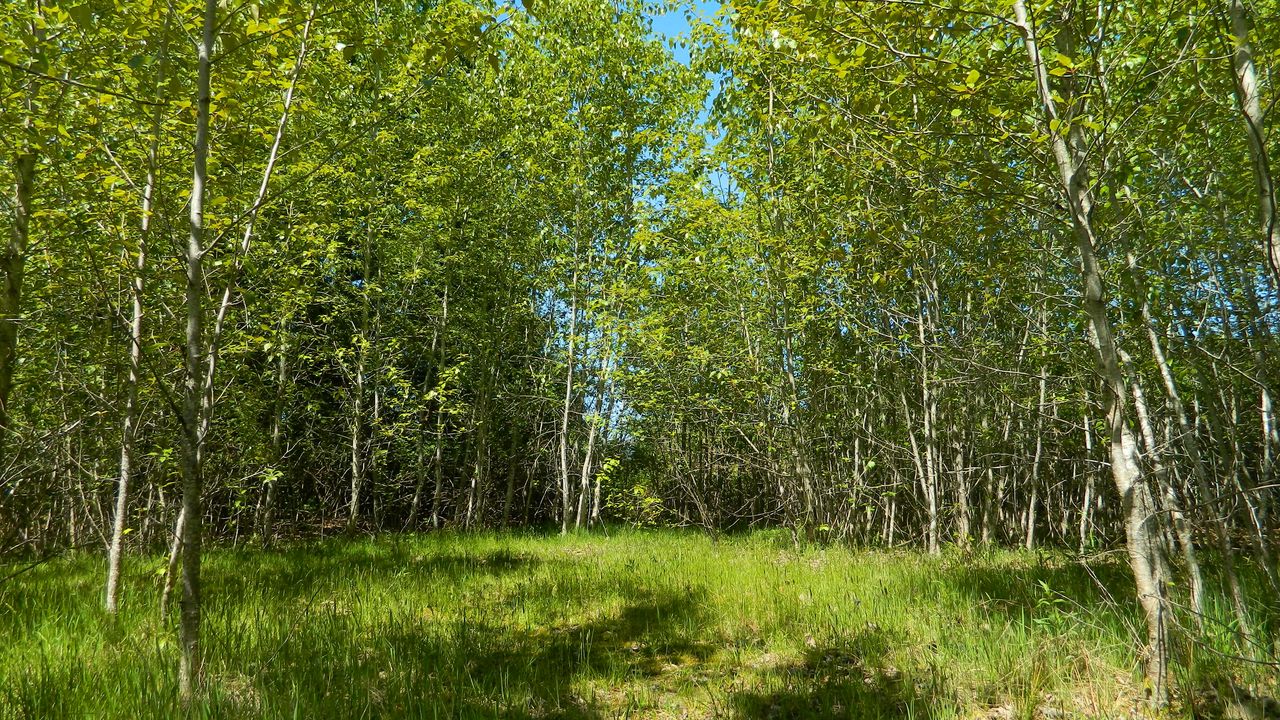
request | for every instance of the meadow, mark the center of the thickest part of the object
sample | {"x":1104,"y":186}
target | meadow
{"x":635,"y":624}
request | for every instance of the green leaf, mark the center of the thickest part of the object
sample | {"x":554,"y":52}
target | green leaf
{"x":83,"y":16}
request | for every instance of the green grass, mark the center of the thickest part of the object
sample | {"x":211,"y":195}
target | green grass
{"x":638,"y":624}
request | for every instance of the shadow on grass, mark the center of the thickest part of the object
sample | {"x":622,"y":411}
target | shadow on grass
{"x":1013,"y":589}
{"x":851,"y":680}
{"x":304,"y":569}
{"x":524,"y":648}
{"x":473,"y":667}
{"x":299,"y":654}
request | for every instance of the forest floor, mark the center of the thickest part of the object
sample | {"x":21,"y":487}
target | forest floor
{"x":636,"y":624}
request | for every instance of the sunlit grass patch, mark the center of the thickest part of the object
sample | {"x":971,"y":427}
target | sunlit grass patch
{"x":636,"y":624}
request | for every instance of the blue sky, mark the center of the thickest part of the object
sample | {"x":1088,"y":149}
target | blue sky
{"x":675,"y":23}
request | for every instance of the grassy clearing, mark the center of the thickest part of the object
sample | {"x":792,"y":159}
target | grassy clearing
{"x":653,"y":624}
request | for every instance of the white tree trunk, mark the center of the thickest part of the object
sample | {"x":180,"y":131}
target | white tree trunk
{"x":1125,"y":469}
{"x":1246,"y":87}
{"x":189,"y":667}
{"x":135,"y":360}
{"x":566,"y":488}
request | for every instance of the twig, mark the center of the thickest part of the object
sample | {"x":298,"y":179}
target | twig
{"x":77,"y":83}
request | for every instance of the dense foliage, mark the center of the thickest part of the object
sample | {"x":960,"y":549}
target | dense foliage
{"x":881,"y":271}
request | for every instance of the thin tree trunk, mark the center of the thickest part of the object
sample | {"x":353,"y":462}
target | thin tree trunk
{"x":476,"y":489}
{"x":604,"y":441}
{"x":1086,"y":505}
{"x":171,"y":571}
{"x":135,"y":361}
{"x":1160,"y":472}
{"x":265,"y":520}
{"x":1125,"y":469}
{"x":357,"y":444}
{"x":12,"y":265}
{"x":917,"y":458}
{"x":372,"y":456}
{"x":359,"y":461}
{"x":1190,"y":445}
{"x":190,"y":665}
{"x":420,"y":464}
{"x":928,"y":409}
{"x":1030,"y":540}
{"x":437,"y":495}
{"x":1228,"y":432}
{"x":584,"y":480}
{"x":513,"y":465}
{"x":988,"y":503}
{"x":1270,"y":433}
{"x":964,"y":513}
{"x":1227,"y":514}
{"x":565,"y":487}
{"x":593,"y":430}
{"x":1250,"y":105}
{"x":228,"y":292}
{"x":527,"y":511}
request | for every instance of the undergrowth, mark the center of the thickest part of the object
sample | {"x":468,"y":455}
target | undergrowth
{"x":636,"y":624}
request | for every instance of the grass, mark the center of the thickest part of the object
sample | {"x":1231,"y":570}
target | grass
{"x":637,"y":624}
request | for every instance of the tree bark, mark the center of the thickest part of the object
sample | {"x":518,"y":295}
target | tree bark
{"x":1125,"y":469}
{"x":437,"y":495}
{"x":1250,"y":104}
{"x":171,"y":568}
{"x":357,"y":440}
{"x":593,"y":431}
{"x":359,"y":451}
{"x":566,"y":488}
{"x":513,"y":467}
{"x":12,"y":266}
{"x":1172,"y":505}
{"x":1030,"y":540}
{"x":190,"y":664}
{"x":1086,"y":505}
{"x":135,"y":361}
{"x":929,"y":411}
